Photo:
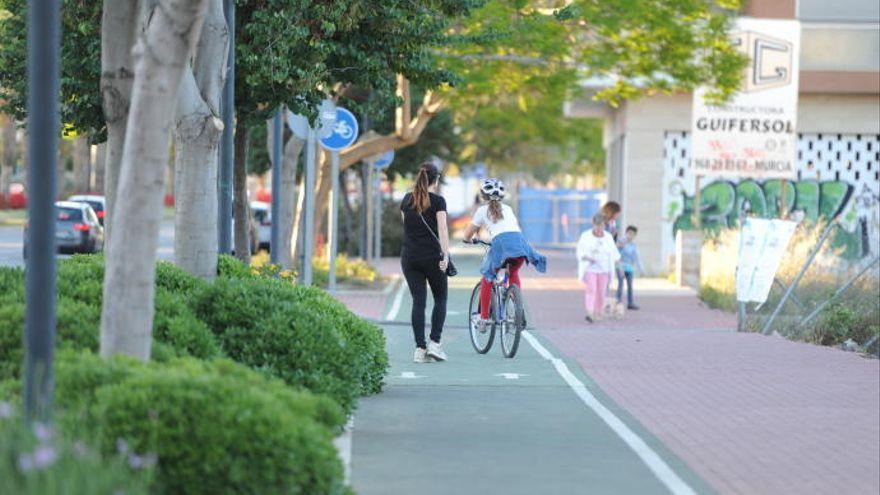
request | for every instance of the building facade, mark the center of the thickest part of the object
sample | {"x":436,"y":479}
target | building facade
{"x":838,"y":167}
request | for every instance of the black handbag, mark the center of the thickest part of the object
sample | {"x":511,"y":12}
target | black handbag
{"x":451,"y":270}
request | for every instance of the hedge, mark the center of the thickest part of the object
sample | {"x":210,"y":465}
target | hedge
{"x":215,"y":427}
{"x":296,"y":333}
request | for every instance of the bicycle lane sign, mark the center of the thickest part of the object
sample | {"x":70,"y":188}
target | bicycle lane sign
{"x":345,"y":131}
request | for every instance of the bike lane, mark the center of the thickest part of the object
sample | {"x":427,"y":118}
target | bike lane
{"x":483,"y":424}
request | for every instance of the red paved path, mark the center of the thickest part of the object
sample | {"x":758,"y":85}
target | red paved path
{"x":750,"y":414}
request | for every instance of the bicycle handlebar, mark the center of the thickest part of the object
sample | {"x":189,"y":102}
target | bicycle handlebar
{"x":476,"y":241}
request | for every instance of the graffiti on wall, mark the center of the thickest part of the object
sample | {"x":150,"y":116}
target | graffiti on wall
{"x":837,"y":177}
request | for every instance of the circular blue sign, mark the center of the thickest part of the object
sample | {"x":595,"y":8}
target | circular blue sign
{"x":384,"y":159}
{"x":345,"y":131}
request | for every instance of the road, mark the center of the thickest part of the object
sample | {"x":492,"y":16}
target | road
{"x":483,"y":424}
{"x":11,"y":243}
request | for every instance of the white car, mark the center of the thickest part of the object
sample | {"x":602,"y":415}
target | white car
{"x":262,"y":213}
{"x":98,"y":203}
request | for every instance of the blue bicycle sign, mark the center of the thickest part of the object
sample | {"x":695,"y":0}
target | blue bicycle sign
{"x":345,"y":131}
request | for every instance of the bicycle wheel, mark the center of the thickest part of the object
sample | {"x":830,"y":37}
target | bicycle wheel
{"x":482,"y":341}
{"x":514,"y":321}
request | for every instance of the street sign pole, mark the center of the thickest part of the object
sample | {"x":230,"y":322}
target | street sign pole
{"x":43,"y":127}
{"x":377,"y":222}
{"x":379,"y":163}
{"x":332,"y":224}
{"x":369,"y":200}
{"x":309,"y":213}
{"x":364,"y":211}
{"x":277,"y":164}
{"x":224,"y":176}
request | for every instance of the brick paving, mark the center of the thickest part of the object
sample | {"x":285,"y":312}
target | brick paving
{"x":750,"y":414}
{"x":372,"y":303}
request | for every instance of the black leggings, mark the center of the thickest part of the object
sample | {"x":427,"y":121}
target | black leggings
{"x":416,"y":274}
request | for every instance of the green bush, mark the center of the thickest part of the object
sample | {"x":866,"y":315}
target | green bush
{"x":216,"y":427}
{"x":45,"y":464}
{"x":79,"y":282}
{"x":230,"y":267}
{"x":298,"y":334}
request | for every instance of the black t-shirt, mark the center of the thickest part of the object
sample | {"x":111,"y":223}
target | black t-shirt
{"x":418,"y":243}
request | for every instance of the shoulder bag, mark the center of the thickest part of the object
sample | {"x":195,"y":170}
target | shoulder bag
{"x":451,"y":270}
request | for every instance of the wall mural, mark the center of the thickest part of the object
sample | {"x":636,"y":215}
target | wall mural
{"x":838,"y":174}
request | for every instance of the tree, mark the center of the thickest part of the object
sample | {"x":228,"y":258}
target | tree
{"x":7,"y":156}
{"x":160,"y":56}
{"x":197,"y":132}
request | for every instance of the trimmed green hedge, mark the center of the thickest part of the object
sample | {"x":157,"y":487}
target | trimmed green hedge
{"x":216,"y":427}
{"x":299,"y":334}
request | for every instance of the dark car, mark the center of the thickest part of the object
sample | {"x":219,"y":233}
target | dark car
{"x":77,"y":229}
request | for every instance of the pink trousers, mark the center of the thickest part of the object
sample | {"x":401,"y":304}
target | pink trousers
{"x":594,"y":292}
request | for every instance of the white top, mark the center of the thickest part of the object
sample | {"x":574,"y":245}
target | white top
{"x":507,"y":224}
{"x":602,"y":250}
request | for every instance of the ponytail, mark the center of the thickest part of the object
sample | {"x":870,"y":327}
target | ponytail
{"x":426,"y":177}
{"x":495,"y":212}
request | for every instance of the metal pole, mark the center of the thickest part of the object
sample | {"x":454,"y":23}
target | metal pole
{"x":43,"y":127}
{"x":741,"y":317}
{"x":333,"y":221}
{"x":797,"y":279}
{"x":783,"y":199}
{"x":277,"y":164}
{"x":227,"y":106}
{"x":369,"y":199}
{"x":697,"y":219}
{"x":377,"y":222}
{"x":840,"y":291}
{"x":364,"y":214}
{"x":309,"y":213}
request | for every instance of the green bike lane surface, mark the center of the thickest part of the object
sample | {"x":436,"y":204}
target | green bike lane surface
{"x":484,"y":424}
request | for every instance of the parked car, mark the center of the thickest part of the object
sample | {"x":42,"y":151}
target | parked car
{"x":262,"y":212}
{"x":77,"y":229}
{"x":98,"y":203}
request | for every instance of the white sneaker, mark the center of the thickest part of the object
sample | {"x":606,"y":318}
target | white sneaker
{"x":421,"y":356}
{"x":435,"y":350}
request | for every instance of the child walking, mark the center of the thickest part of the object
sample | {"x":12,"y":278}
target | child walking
{"x":629,"y":261}
{"x":597,"y":253}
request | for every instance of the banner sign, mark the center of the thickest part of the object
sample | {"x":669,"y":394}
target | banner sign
{"x":754,"y":134}
{"x":762,"y":245}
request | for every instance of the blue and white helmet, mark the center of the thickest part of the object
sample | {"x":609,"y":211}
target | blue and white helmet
{"x":493,"y":188}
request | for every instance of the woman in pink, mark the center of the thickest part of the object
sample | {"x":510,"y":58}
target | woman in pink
{"x":597,"y":254}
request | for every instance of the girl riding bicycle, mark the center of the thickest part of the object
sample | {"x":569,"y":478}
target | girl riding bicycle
{"x":509,"y":246}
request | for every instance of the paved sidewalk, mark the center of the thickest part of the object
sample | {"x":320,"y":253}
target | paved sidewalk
{"x":750,"y":414}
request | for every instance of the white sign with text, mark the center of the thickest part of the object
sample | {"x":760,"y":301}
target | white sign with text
{"x":754,"y":134}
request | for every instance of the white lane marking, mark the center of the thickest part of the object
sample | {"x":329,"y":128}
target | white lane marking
{"x":395,"y":306}
{"x":409,"y":375}
{"x":652,"y":460}
{"x":510,"y":376}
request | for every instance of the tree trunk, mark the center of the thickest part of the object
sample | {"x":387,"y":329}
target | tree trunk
{"x":196,"y":136}
{"x":82,"y":164}
{"x":100,"y":166}
{"x":287,"y":192}
{"x":120,"y":25}
{"x":296,"y":236}
{"x":239,"y":192}
{"x":7,"y":159}
{"x":322,"y":197}
{"x":161,"y":57}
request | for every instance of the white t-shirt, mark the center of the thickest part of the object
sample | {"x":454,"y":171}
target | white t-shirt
{"x":601,"y":250}
{"x":507,"y":224}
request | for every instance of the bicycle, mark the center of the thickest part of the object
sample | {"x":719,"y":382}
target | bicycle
{"x":506,"y":314}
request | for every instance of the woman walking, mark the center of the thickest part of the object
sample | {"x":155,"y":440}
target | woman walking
{"x":424,"y":259}
{"x":597,"y":254}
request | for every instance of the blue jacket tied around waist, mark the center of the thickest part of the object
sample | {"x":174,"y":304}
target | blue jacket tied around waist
{"x":511,"y":245}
